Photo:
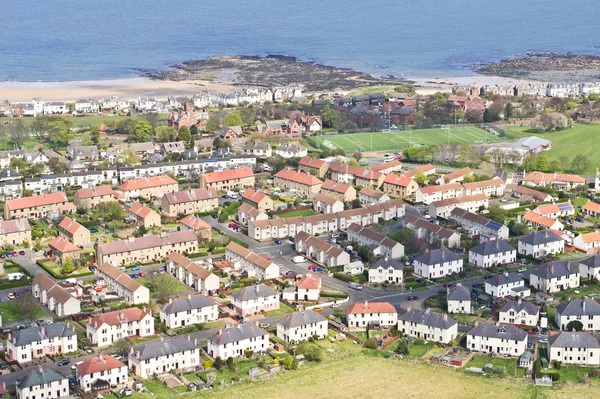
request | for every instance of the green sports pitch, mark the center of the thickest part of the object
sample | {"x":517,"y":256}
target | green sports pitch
{"x":396,"y":140}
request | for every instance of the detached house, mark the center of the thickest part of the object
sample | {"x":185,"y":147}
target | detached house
{"x":506,"y":284}
{"x":586,"y":311}
{"x":386,"y":270}
{"x":556,"y":180}
{"x":590,"y":268}
{"x":235,"y":341}
{"x":588,"y":242}
{"x":459,"y":300}
{"x":369,"y":196}
{"x":380,"y":245}
{"x":291,"y":150}
{"x":255,"y":265}
{"x":40,"y":341}
{"x":74,"y":232}
{"x":492,"y":253}
{"x":300,"y":326}
{"x":541,"y":243}
{"x":189,"y":310}
{"x":190,"y":201}
{"x":438,"y":263}
{"x":555,"y":277}
{"x":100,"y":373}
{"x":300,"y":182}
{"x":374,"y":314}
{"x":341,"y":191}
{"x":192,"y":274}
{"x":580,"y":348}
{"x":255,"y":299}
{"x":553,"y":210}
{"x":258,"y":200}
{"x":247,"y":213}
{"x":127,"y":288}
{"x":325,"y":204}
{"x":164,"y":356}
{"x":519,"y":312}
{"x":430,"y":326}
{"x":399,"y":185}
{"x":497,"y":339}
{"x":108,"y":328}
{"x":308,"y":289}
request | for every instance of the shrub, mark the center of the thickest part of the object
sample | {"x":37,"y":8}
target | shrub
{"x":218,"y":364}
{"x":230,"y":364}
{"x":249,"y":353}
{"x":310,"y":351}
{"x":419,"y":341}
{"x":371,"y":343}
{"x":290,"y":363}
{"x":208,"y":364}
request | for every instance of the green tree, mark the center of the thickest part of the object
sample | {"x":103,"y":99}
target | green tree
{"x":67,"y":265}
{"x":508,"y":110}
{"x":358,"y":156}
{"x":421,"y":178}
{"x":152,"y":119}
{"x":211,"y":126}
{"x":165,"y":133}
{"x":163,"y":286}
{"x":28,"y":307}
{"x":17,"y":132}
{"x":497,"y":213}
{"x":543,"y":163}
{"x":352,"y":162}
{"x":194,"y":130}
{"x":111,"y":210}
{"x":277,"y":162}
{"x":28,"y":193}
{"x":39,"y":125}
{"x":232,"y":119}
{"x":230,"y":364}
{"x":371,"y":343}
{"x":59,"y":131}
{"x":402,"y":348}
{"x":126,"y":126}
{"x":310,"y":351}
{"x":518,"y":229}
{"x":574,"y":325}
{"x":331,"y":117}
{"x":218,"y":364}
{"x":184,"y":134}
{"x":18,"y":163}
{"x":122,"y":347}
{"x":127,"y":158}
{"x":580,"y":163}
{"x":96,"y":136}
{"x":143,"y":131}
{"x":35,"y":170}
{"x":86,"y":138}
{"x":290,"y":363}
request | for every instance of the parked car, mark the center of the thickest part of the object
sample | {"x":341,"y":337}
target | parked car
{"x":290,"y":272}
{"x":267,"y":257}
{"x":447,"y":285}
{"x":118,"y":357}
{"x":478,"y":284}
{"x":318,"y":309}
{"x":413,"y":298}
{"x":138,"y":267}
{"x":278,"y":242}
{"x":87,"y":349}
{"x":292,"y":239}
{"x":522,"y":269}
{"x":64,"y":362}
{"x":94,"y":230}
{"x":74,"y":366}
{"x":9,"y":255}
{"x":11,"y":296}
{"x":14,"y":253}
{"x":335,"y":305}
{"x":2,"y":256}
{"x":264,"y":325}
{"x":134,"y":275}
{"x":125,"y":392}
{"x":91,"y":268}
{"x":142,"y":274}
{"x":580,"y":219}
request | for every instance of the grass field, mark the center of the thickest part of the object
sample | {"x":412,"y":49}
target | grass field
{"x":580,"y":139}
{"x":301,"y":212}
{"x":398,"y":140}
{"x":10,"y":314}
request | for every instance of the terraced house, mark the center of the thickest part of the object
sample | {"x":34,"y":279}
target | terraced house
{"x":258,"y":200}
{"x":54,"y":296}
{"x":313,"y":166}
{"x":430,"y":194}
{"x":321,"y":251}
{"x":233,"y":179}
{"x":88,"y":198}
{"x":15,"y":232}
{"x":471,"y":203}
{"x":200,"y":227}
{"x":541,"y":243}
{"x":399,"y":185}
{"x":374,"y":314}
{"x":149,"y":187}
{"x":127,"y":288}
{"x":325,"y":204}
{"x":74,"y":232}
{"x":40,"y":341}
{"x":497,"y":339}
{"x":34,"y":207}
{"x":486,"y":228}
{"x":255,"y":299}
{"x":492,"y":253}
{"x":147,"y":248}
{"x":355,"y":175}
{"x":190,"y":201}
{"x":107,"y":328}
{"x":300,"y":326}
{"x":459,"y":299}
{"x":438,"y":263}
{"x":570,"y":347}
{"x":342,"y":191}
{"x":192,"y":274}
{"x":519,"y":312}
{"x":556,"y":180}
{"x":456,"y":176}
{"x":369,"y":196}
{"x":255,"y":265}
{"x":189,"y":310}
{"x":300,"y":182}
{"x":378,"y":243}
{"x":586,"y":311}
{"x":100,"y":373}
{"x":493,"y":187}
{"x":42,"y":383}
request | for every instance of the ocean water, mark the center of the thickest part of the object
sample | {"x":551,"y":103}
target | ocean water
{"x":65,"y":40}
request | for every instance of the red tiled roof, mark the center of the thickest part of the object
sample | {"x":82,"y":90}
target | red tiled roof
{"x":119,"y":317}
{"x":70,"y":225}
{"x":441,"y":188}
{"x":539,"y":177}
{"x":230,"y":174}
{"x":145,"y":242}
{"x":457,"y":173}
{"x":552,"y":208}
{"x":402,"y":181}
{"x":249,"y":255}
{"x":194,"y":222}
{"x":483,"y":184}
{"x":14,"y":226}
{"x":385,"y":165}
{"x":592,"y":207}
{"x":539,"y":219}
{"x":199,"y":194}
{"x":97,"y":364}
{"x":355,"y":171}
{"x":371,"y":307}
{"x":37,"y":200}
{"x":331,"y":185}
{"x":254,"y":196}
{"x":140,"y":210}
{"x":423,"y":168}
{"x":309,"y":282}
{"x":298,"y":177}
{"x":311,"y":162}
{"x":95,"y":191}
{"x":63,"y":245}
{"x":119,"y":277}
{"x":147,"y":182}
{"x":594,"y":236}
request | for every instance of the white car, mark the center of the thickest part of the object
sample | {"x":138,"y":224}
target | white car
{"x":335,"y":305}
{"x":74,"y":366}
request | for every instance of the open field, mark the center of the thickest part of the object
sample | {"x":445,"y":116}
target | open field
{"x":580,"y":139}
{"x":399,"y":139}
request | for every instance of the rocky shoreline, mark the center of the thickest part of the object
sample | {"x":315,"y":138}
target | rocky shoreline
{"x":545,"y":66}
{"x":269,"y":71}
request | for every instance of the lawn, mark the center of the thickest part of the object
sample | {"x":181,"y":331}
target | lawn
{"x":580,"y":139}
{"x":10,"y":314}
{"x":579,"y":292}
{"x":177,"y":285}
{"x":301,"y":212}
{"x":283,"y":309}
{"x":509,"y":364}
{"x":158,"y":389}
{"x":398,"y":140}
{"x":418,"y":350}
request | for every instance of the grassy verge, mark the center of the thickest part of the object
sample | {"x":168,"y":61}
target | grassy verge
{"x":10,"y":313}
{"x":509,"y":365}
{"x":283,"y":309}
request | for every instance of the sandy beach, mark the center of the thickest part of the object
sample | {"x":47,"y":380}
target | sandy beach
{"x":425,"y":86}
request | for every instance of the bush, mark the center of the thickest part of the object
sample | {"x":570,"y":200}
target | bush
{"x":402,"y":348}
{"x":218,"y":364}
{"x":310,"y":351}
{"x":419,"y":341}
{"x":290,"y":363}
{"x":249,"y":353}
{"x":219,"y":250}
{"x":371,"y":343}
{"x":207,"y":364}
{"x":557,"y":365}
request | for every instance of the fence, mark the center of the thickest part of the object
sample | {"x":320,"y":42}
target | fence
{"x":544,"y":381}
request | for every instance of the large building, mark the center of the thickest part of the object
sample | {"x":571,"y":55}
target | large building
{"x":233,"y":179}
{"x":189,"y":310}
{"x":342,"y":191}
{"x":15,"y":232}
{"x":34,"y":207}
{"x":41,"y":341}
{"x":108,"y":328}
{"x":255,"y":265}
{"x":300,"y":326}
{"x":235,"y":341}
{"x":88,"y":198}
{"x":127,"y":288}
{"x":164,"y":356}
{"x":149,"y":187}
{"x":190,"y":201}
{"x":147,"y":248}
{"x":300,"y":182}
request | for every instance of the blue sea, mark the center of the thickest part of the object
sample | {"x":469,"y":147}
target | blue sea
{"x":66,"y":40}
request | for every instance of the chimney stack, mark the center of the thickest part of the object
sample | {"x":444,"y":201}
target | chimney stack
{"x":131,"y":350}
{"x":257,"y":288}
{"x":196,"y":341}
{"x":137,"y":354}
{"x":42,"y":331}
{"x":189,"y":337}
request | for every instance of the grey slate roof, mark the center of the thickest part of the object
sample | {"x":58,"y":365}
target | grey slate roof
{"x":592,"y":261}
{"x":34,"y":334}
{"x":39,"y":377}
{"x":528,"y":307}
{"x":503,"y":279}
{"x":237,"y":333}
{"x":436,"y":256}
{"x":298,"y":319}
{"x":491,"y":330}
{"x":254,"y":292}
{"x":386,"y":263}
{"x":459,"y":293}
{"x":555,"y":270}
{"x":540,"y":237}
{"x":492,"y":247}
{"x":156,"y":349}
{"x":188,"y":303}
{"x":568,"y":339}
{"x":579,"y":307}
{"x":432,"y":319}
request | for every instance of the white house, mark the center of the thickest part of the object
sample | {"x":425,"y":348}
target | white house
{"x":459,"y":300}
{"x":497,"y":339}
{"x":164,"y":356}
{"x":42,"y":383}
{"x":101,"y":372}
{"x":507,"y":284}
{"x":519,"y":312}
{"x":369,"y":196}
{"x":579,"y":348}
{"x":87,"y":106}
{"x":326,"y":204}
{"x":192,"y":274}
{"x":429,"y":194}
{"x":377,"y":314}
{"x":555,"y":211}
{"x":255,"y":299}
{"x":40,"y":341}
{"x":492,"y":187}
{"x":492,"y":253}
{"x":438,"y":263}
{"x":291,"y":150}
{"x":300,"y":326}
{"x":541,"y":243}
{"x":189,"y":310}
{"x":586,"y":311}
{"x":386,"y":270}
{"x":471,"y":203}
{"x":485,"y":228}
{"x":590,"y":268}
{"x":255,"y":265}
{"x":354,"y":268}
{"x":127,"y":288}
{"x":107,"y":328}
{"x":555,"y":277}
{"x":235,"y":341}
{"x":430,"y":326}
{"x":588,"y":242}
{"x":378,"y":243}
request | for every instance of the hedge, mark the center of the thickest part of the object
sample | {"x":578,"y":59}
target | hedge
{"x":60,"y":276}
{"x":554,"y":374}
{"x":334,"y":294}
{"x":8,"y":284}
{"x":220,"y":250}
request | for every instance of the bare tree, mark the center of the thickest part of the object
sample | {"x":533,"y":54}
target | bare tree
{"x":122,"y":347}
{"x":28,"y":307}
{"x":163,"y":286}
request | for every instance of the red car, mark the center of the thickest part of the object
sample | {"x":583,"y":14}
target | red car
{"x":15,"y":253}
{"x":142,"y":274}
{"x":232,"y":225}
{"x":266,"y":257}
{"x":447,"y":285}
{"x":312,"y":267}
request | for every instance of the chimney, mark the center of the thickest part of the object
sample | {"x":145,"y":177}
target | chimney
{"x":170,"y":300}
{"x":189,"y":296}
{"x":42,"y":331}
{"x":144,"y":309}
{"x":506,"y":274}
{"x":14,"y":340}
{"x":196,"y":341}
{"x":583,"y":306}
{"x":40,"y":369}
{"x":257,"y":288}
{"x":366,"y":303}
{"x":221,"y":331}
{"x":497,"y":324}
{"x":444,"y":316}
{"x":408,"y":309}
{"x":131,"y":350}
{"x":497,"y":243}
{"x":137,"y":354}
{"x":189,"y":337}
{"x":427,"y":310}
{"x":519,"y":300}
